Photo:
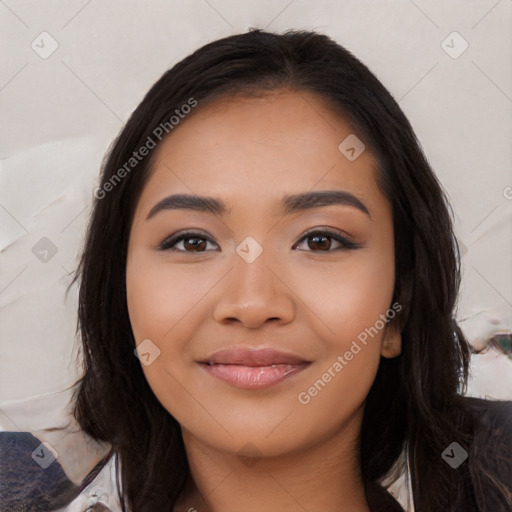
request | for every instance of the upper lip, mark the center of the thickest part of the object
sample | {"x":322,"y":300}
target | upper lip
{"x":253,"y":357}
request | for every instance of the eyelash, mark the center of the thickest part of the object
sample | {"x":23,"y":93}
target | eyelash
{"x":169,"y":243}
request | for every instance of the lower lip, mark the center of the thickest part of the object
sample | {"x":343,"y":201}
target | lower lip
{"x":253,"y":377}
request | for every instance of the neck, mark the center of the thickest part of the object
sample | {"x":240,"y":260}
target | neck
{"x":324,"y":477}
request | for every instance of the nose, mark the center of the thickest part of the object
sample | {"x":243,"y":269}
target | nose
{"x":255,"y":293}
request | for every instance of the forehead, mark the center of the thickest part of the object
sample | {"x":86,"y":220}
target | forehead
{"x":249,"y":148}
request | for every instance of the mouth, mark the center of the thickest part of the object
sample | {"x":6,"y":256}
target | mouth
{"x":253,"y":368}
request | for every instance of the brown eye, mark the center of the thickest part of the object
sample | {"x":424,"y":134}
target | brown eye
{"x":196,"y":244}
{"x":321,"y":241}
{"x":191,"y":242}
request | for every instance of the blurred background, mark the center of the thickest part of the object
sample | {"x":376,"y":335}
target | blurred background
{"x":71,"y":74}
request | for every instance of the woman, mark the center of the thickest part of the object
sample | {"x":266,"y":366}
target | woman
{"x":267,"y":295}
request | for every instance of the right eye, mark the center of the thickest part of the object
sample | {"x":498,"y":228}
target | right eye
{"x":194,"y":241}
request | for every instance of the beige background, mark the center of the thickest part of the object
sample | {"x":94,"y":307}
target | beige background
{"x":58,"y":114}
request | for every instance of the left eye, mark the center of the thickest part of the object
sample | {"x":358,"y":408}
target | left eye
{"x":320,"y":239}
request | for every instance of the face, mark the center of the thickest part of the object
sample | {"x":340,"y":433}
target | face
{"x":304,"y":285}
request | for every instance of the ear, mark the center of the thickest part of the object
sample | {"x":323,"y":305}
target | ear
{"x":391,"y":341}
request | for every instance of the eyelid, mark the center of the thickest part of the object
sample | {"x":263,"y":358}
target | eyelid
{"x":326,"y":230}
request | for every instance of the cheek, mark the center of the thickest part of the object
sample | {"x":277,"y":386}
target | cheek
{"x":162,"y":297}
{"x":161,"y":305}
{"x":166,"y":304}
{"x":347,"y":297}
{"x":348,"y":308}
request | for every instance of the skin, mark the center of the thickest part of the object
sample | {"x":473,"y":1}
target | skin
{"x":259,"y":450}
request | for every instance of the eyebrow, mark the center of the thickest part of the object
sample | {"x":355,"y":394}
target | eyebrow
{"x":289,"y":204}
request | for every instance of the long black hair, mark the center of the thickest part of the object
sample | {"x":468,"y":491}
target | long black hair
{"x":415,"y":408}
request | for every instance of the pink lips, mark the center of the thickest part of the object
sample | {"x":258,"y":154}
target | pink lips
{"x":253,"y":369}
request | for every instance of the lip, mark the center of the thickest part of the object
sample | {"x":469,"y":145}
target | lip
{"x":253,"y":368}
{"x":253,"y":357}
